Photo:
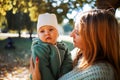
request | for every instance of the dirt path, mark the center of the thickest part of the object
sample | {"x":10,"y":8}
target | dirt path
{"x":21,"y":73}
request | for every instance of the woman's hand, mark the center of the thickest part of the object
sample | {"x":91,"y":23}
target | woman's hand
{"x":34,"y":69}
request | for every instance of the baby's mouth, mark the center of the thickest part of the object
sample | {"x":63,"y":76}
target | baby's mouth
{"x":48,"y":38}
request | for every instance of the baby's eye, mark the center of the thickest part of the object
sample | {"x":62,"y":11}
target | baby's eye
{"x":51,"y":29}
{"x":42,"y":31}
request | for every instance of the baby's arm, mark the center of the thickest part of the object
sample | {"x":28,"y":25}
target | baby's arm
{"x":44,"y":67}
{"x":66,"y":64}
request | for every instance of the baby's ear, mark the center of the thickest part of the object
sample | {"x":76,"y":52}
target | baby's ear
{"x":111,"y":10}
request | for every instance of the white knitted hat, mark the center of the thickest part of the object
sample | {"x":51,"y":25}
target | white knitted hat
{"x":47,"y":19}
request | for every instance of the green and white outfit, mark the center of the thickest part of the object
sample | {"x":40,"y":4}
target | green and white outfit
{"x":55,"y":60}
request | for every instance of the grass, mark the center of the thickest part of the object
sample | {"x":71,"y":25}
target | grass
{"x":20,"y":55}
{"x":12,"y":59}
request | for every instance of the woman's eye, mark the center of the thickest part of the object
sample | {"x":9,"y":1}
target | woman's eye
{"x":76,"y":32}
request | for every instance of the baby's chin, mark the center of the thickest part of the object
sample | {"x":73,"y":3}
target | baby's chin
{"x":50,"y":42}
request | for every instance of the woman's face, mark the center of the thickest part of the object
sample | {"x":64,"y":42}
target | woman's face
{"x":77,"y":38}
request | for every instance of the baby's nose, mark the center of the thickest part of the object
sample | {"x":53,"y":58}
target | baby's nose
{"x":47,"y":32}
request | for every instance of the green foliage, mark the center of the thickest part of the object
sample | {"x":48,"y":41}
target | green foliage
{"x":22,"y":14}
{"x":3,"y":22}
{"x":36,"y":7}
{"x":19,"y":8}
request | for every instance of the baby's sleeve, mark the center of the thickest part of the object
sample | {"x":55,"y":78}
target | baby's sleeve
{"x":42,"y":52}
{"x":67,"y":63}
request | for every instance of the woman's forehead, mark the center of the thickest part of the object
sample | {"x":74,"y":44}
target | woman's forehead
{"x":76,"y":26}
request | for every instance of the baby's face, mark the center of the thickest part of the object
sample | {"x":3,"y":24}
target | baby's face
{"x":48,"y":34}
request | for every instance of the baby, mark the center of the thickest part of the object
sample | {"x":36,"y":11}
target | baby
{"x":55,"y":59}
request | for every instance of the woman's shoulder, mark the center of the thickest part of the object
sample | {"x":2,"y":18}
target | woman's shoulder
{"x":101,"y":71}
{"x":97,"y":71}
{"x":101,"y":67}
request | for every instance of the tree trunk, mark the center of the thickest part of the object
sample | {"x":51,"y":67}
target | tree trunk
{"x":19,"y":32}
{"x":30,"y":32}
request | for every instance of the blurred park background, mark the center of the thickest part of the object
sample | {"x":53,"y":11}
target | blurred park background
{"x":18,"y":26}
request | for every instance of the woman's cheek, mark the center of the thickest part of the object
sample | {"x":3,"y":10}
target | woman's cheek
{"x":80,"y":43}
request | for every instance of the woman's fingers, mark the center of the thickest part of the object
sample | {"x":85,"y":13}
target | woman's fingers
{"x":31,"y":65}
{"x":37,"y":63}
{"x":36,"y":72}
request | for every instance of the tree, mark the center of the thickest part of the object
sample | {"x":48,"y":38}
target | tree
{"x":60,"y":7}
{"x":16,"y":21}
{"x":106,"y":4}
{"x":29,"y":25}
{"x":36,"y":7}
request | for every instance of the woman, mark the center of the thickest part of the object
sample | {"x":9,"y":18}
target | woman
{"x":96,"y":34}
